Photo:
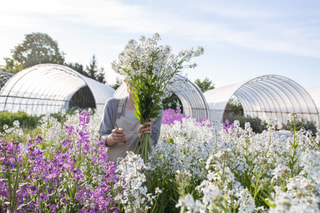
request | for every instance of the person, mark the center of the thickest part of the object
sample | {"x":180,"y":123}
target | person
{"x":120,"y":129}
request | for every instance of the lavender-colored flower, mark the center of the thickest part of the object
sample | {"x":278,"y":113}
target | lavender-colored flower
{"x":84,"y":118}
{"x":77,"y":174}
{"x":171,"y":115}
{"x":69,"y":130}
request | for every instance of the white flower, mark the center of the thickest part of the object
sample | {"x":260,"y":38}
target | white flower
{"x":189,"y":205}
{"x":281,"y":171}
{"x":293,"y":117}
{"x":16,"y":124}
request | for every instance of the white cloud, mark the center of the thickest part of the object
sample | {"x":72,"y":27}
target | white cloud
{"x":238,"y":25}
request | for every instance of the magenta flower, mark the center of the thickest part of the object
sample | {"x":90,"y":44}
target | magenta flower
{"x":171,"y":115}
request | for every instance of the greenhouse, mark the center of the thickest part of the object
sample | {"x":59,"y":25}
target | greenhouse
{"x":4,"y":77}
{"x":265,"y":97}
{"x":52,"y":88}
{"x":315,"y":94}
{"x":193,"y":101}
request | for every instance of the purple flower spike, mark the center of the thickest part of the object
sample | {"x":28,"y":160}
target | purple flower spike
{"x":171,"y":115}
{"x":84,"y":118}
{"x":69,"y":130}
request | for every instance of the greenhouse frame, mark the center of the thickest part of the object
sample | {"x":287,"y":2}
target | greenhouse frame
{"x":265,"y":97}
{"x":315,"y":94}
{"x":4,"y":77}
{"x":52,"y":88}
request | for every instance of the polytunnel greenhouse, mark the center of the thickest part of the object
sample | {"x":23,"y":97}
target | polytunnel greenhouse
{"x":52,"y":88}
{"x":265,"y":97}
{"x":315,"y":94}
{"x":4,"y":77}
{"x":193,"y":101}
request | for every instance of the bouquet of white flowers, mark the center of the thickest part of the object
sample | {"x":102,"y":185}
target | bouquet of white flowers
{"x":150,"y":68}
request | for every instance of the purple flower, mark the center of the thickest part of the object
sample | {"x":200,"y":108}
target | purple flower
{"x":66,"y":142}
{"x":69,"y":130}
{"x":48,"y":167}
{"x":171,"y":115}
{"x":39,"y":138}
{"x":103,"y":156}
{"x":84,"y":118}
{"x":77,"y":174}
{"x":227,"y":126}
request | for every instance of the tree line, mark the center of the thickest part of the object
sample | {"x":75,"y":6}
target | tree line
{"x":40,"y":48}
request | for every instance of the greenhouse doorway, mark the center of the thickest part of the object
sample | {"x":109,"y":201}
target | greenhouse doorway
{"x":82,"y":99}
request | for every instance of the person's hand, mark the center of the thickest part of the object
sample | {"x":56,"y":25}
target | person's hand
{"x":146,"y":127}
{"x":117,"y":135}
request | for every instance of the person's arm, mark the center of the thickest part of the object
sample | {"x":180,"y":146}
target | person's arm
{"x":117,"y":135}
{"x":108,"y":119}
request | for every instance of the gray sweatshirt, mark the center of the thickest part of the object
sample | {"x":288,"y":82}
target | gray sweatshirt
{"x":110,"y":115}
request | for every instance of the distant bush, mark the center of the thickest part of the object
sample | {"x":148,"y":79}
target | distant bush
{"x":307,"y":125}
{"x":25,"y":120}
{"x":62,"y":117}
{"x":256,"y":123}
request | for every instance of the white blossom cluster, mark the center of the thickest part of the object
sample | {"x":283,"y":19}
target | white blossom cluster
{"x":145,"y":59}
{"x":15,"y":130}
{"x":135,"y":197}
{"x":192,"y":146}
{"x":51,"y":129}
{"x":223,"y":160}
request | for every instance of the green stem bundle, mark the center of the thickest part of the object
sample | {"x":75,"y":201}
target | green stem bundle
{"x":143,"y":146}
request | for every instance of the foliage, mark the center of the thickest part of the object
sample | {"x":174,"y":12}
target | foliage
{"x":256,"y":123}
{"x":37,"y":48}
{"x":149,"y":68}
{"x":236,"y":113}
{"x":204,"y":85}
{"x":302,"y":125}
{"x":25,"y":120}
{"x":91,"y":70}
{"x":77,"y":67}
{"x":236,"y":107}
{"x":172,"y":102}
{"x":118,"y":83}
{"x":62,"y":117}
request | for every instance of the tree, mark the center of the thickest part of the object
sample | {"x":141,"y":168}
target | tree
{"x":77,"y":67}
{"x":204,"y":85}
{"x":37,"y":48}
{"x":93,"y":71}
{"x":117,"y":84}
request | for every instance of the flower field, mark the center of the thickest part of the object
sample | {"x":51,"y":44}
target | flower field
{"x":197,"y":166}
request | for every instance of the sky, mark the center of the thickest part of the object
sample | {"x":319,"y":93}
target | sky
{"x":242,"y":40}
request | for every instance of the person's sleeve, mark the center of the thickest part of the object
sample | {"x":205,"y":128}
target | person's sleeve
{"x":107,"y":122}
{"x":156,"y":128}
